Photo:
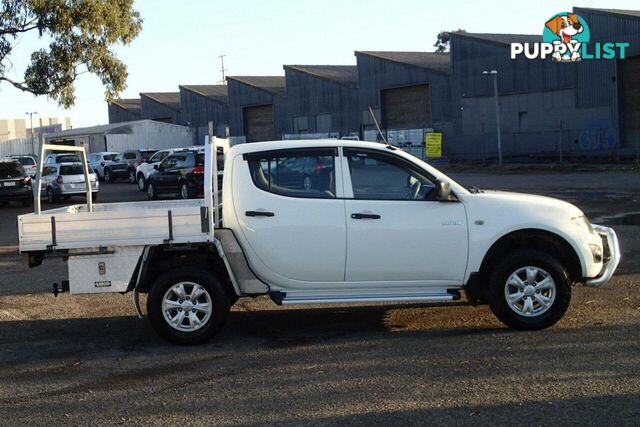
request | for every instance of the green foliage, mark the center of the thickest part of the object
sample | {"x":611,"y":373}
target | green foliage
{"x":82,"y":34}
{"x":443,"y":39}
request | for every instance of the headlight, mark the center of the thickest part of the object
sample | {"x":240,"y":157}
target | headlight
{"x":583,"y":221}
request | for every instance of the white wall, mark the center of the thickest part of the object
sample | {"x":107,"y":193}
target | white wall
{"x":18,"y":146}
{"x":151,"y":135}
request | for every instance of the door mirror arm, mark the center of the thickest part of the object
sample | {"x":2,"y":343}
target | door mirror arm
{"x":443,"y":192}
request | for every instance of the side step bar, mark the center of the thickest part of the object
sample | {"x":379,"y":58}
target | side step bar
{"x":282,"y":298}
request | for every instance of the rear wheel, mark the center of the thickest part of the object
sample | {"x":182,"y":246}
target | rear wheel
{"x":142,"y":183}
{"x":307,"y":183}
{"x":529,"y":290}
{"x":66,"y":197}
{"x":187,"y":305}
{"x":185,"y":193}
{"x":152,"y":191}
{"x":131,"y":177}
{"x":51,"y":196}
{"x":4,"y":204}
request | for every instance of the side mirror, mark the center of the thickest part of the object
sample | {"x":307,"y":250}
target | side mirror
{"x":155,"y":167}
{"x":443,"y":191}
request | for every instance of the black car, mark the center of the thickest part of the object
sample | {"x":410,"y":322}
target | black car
{"x":179,"y":173}
{"x":125,"y":164}
{"x":15,"y":183}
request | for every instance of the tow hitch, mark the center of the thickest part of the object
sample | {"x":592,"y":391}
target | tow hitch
{"x":57,"y":289}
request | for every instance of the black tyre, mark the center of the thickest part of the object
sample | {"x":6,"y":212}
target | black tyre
{"x":529,"y":290}
{"x":51,"y":196}
{"x":307,"y":183}
{"x":94,"y":196}
{"x":187,"y":305}
{"x":142,"y":183}
{"x":4,"y":204}
{"x":185,"y":192}
{"x":131,"y":178}
{"x":27,"y":202}
{"x":152,"y":191}
{"x":66,"y":197}
{"x":107,"y":176}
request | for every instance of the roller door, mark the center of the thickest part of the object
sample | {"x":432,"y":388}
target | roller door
{"x":630,"y":101}
{"x":258,"y":123}
{"x":406,"y":107}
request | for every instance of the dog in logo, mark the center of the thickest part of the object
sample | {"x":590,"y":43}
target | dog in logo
{"x":565,"y":27}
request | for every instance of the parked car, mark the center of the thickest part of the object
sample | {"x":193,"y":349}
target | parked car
{"x":179,"y":173}
{"x":15,"y":183}
{"x":63,"y":180}
{"x":98,"y":161}
{"x":28,"y":162}
{"x":125,"y":164}
{"x":61,"y":158}
{"x":147,"y":168}
{"x":385,"y":227}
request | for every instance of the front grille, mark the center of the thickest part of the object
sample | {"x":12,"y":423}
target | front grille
{"x":606,"y":250}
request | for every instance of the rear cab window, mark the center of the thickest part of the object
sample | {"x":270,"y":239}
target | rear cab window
{"x":305,"y":173}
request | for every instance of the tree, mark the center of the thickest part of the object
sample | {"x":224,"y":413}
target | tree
{"x":443,"y":39}
{"x":81,"y":35}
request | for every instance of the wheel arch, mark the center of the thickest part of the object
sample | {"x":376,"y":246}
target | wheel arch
{"x":161,"y":259}
{"x":533,"y":238}
{"x":527,"y":238}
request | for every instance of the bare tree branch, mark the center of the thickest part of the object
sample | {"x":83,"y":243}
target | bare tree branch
{"x":18,"y":85}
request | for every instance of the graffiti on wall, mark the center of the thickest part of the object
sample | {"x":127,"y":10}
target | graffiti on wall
{"x":598,"y":135}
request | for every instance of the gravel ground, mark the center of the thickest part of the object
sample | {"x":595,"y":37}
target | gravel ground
{"x":87,"y":360}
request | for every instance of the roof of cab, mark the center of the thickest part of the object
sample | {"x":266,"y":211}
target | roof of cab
{"x":302,"y":143}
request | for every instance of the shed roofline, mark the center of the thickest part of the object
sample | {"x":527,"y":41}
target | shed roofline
{"x":186,"y":87}
{"x":302,"y":70}
{"x":239,"y":80}
{"x":373,"y":55}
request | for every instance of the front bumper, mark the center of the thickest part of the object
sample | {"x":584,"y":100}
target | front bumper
{"x":612,"y":256}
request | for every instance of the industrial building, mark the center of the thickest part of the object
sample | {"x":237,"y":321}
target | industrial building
{"x":161,"y":106}
{"x":124,"y":110}
{"x":123,"y":136}
{"x":547,"y":109}
{"x":202,"y":104}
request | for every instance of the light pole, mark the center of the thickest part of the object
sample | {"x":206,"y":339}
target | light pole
{"x":494,"y":73}
{"x":33,"y":143}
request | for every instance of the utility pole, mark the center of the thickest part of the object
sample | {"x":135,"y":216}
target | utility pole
{"x":494,"y":73}
{"x":222,"y":69}
{"x":33,"y":143}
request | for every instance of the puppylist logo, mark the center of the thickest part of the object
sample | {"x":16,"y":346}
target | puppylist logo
{"x":566,"y":38}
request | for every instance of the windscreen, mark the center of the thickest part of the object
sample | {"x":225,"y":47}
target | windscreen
{"x":11,"y":170}
{"x":147,"y":154}
{"x":109,"y":156}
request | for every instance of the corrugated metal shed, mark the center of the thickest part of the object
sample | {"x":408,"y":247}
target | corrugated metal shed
{"x":124,"y":110}
{"x":161,"y":106}
{"x":201,"y":104}
{"x":322,"y":99}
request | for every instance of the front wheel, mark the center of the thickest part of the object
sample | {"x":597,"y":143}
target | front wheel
{"x":152,"y":191}
{"x":131,"y":179}
{"x":187,"y":305}
{"x":142,"y":183}
{"x":107,"y":176}
{"x":529,"y":290}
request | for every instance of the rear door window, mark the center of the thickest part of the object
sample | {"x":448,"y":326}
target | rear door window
{"x":68,"y":158}
{"x":129,"y":155}
{"x":307,"y":173}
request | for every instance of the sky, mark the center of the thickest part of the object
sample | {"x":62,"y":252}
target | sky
{"x":180,"y":41}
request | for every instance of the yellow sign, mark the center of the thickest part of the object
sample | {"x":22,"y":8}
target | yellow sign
{"x":434,"y":144}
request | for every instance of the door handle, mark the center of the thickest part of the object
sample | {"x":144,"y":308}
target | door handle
{"x":258,"y":213}
{"x":364,"y":216}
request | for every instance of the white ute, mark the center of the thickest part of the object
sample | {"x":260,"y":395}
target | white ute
{"x":327,"y":221}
